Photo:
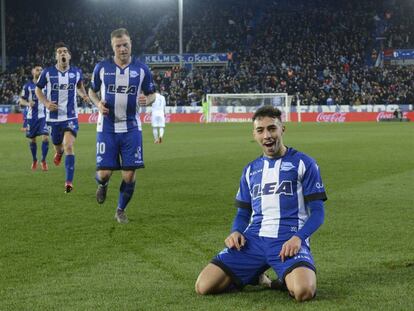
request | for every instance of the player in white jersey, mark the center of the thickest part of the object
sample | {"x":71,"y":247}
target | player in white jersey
{"x":119,"y":81}
{"x":35,"y":119}
{"x":280,"y":205}
{"x":158,"y":118}
{"x":63,"y":83}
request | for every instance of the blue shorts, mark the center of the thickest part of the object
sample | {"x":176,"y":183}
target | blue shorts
{"x":258,"y":255}
{"x":57,"y":129}
{"x":36,"y":128}
{"x":116,"y":151}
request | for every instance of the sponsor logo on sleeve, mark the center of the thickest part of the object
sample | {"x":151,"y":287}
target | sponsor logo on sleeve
{"x":319,"y":185}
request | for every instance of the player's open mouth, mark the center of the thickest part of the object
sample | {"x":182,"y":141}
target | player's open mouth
{"x":64,"y":59}
{"x":269,"y":144}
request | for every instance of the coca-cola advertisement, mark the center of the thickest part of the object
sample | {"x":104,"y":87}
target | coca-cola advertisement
{"x":218,"y":117}
{"x":331,"y":117}
{"x":385,"y":116}
{"x":325,"y":117}
{"x":93,"y":118}
{"x":388,"y":116}
{"x":146,"y":117}
{"x":3,"y":118}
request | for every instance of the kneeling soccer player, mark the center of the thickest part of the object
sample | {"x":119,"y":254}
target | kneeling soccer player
{"x":280,"y":204}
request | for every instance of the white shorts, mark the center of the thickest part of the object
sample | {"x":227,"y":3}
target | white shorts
{"x":158,"y":121}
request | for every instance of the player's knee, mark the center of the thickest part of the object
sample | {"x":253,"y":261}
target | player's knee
{"x":201,"y":287}
{"x":303,"y":293}
{"x":204,"y":286}
{"x":129,"y":180}
{"x":104,"y":178}
{"x":128,"y":177}
{"x":68,"y":147}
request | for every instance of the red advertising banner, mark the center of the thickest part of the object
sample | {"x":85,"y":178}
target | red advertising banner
{"x":339,"y":117}
{"x":317,"y":116}
{"x":336,"y":117}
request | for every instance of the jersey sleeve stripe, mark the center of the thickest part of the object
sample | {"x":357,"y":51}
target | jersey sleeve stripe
{"x":241,"y":204}
{"x":316,"y":196}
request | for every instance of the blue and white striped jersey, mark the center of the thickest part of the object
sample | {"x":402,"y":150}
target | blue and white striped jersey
{"x":120,"y":88}
{"x":38,"y":110}
{"x":277,"y":191}
{"x":61,"y":88}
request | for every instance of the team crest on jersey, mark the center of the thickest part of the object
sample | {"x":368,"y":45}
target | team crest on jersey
{"x":284,"y":187}
{"x":72,"y":75}
{"x":122,"y":89}
{"x":133,"y":74}
{"x":286,"y":166}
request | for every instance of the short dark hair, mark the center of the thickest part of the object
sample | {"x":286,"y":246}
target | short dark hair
{"x":267,"y":111}
{"x":117,"y":33}
{"x":61,"y":44}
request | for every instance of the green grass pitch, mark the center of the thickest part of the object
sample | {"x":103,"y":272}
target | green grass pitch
{"x":64,"y":252}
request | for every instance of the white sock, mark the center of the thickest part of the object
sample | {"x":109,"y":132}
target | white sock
{"x":155,"y":132}
{"x":161,"y":131}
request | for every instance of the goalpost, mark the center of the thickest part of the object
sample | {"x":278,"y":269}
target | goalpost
{"x":240,"y":107}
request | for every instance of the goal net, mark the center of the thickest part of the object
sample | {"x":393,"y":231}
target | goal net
{"x":240,"y":107}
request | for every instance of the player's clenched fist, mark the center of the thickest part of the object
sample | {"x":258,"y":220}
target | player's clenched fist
{"x":236,"y":239}
{"x":102,"y":107}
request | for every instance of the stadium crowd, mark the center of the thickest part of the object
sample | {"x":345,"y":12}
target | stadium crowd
{"x":323,"y":51}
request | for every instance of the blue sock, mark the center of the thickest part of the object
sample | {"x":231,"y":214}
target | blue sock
{"x":101,"y":182}
{"x":125,"y":194}
{"x":70,"y":167}
{"x":33,"y":149}
{"x":45,"y":149}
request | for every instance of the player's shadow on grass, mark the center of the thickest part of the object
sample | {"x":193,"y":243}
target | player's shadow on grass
{"x":362,"y":281}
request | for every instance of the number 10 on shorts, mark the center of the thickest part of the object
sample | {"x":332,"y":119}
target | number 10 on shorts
{"x":100,"y":148}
